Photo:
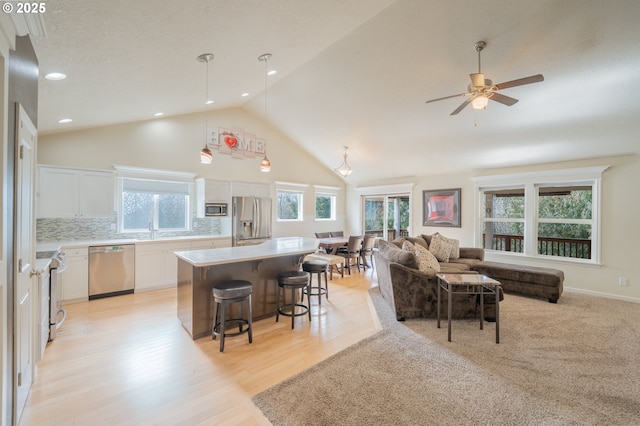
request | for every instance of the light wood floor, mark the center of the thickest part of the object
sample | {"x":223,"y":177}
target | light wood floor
{"x":127,"y":360}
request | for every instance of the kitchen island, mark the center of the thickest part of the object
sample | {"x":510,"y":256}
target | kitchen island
{"x":200,"y":270}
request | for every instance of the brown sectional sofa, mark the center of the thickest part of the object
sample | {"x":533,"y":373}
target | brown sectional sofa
{"x":525,"y":280}
{"x":413,"y":293}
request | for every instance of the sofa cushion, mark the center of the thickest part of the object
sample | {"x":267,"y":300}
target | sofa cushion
{"x":395,"y":254}
{"x":425,"y":260}
{"x":454,"y":268}
{"x":418,"y":240}
{"x":427,"y":238}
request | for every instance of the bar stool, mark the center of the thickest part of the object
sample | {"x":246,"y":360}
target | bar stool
{"x":293,"y":280}
{"x":316,"y":267}
{"x":224,"y":294}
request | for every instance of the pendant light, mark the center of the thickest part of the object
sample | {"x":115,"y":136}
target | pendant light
{"x":205,"y":155}
{"x":265,"y":164}
{"x":344,"y":169}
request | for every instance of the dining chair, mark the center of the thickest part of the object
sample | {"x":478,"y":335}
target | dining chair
{"x":324,"y":235}
{"x":367,"y":250}
{"x":337,"y":234}
{"x":352,"y":252}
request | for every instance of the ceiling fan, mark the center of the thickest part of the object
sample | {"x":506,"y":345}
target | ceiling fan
{"x":481,"y":90}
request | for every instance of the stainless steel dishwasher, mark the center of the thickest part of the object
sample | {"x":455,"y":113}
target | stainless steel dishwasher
{"x":111,"y":270}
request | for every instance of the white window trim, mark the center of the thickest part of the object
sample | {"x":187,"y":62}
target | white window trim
{"x":333,"y":206}
{"x":327,"y":191}
{"x":531,"y":181}
{"x":300,"y":205}
{"x":127,"y":172}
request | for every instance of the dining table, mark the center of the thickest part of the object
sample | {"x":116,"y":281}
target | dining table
{"x":333,"y":243}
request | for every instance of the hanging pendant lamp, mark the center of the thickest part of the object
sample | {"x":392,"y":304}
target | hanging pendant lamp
{"x":265,"y":164}
{"x":344,"y":169}
{"x":205,"y":154}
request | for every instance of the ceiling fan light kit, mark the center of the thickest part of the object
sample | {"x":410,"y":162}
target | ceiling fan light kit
{"x":481,"y":89}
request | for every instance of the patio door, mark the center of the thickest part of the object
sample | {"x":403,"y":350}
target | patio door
{"x":387,"y":216}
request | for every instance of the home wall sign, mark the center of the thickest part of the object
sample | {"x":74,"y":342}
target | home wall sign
{"x":235,"y":142}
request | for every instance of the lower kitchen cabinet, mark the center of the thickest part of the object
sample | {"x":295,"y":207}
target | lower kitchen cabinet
{"x":210,"y":244}
{"x":75,"y":279}
{"x":156,"y":265}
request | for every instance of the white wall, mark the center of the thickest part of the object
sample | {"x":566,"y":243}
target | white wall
{"x":174,"y":143}
{"x":620,"y":231}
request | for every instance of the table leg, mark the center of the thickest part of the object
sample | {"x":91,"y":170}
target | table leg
{"x":497,"y":314}
{"x":449,"y":308}
{"x":438,"y":308}
{"x":481,"y":307}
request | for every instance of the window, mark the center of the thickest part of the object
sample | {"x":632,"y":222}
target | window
{"x":150,"y":204}
{"x":544,"y":215}
{"x":325,"y":206}
{"x":565,"y":217}
{"x":289,"y":205}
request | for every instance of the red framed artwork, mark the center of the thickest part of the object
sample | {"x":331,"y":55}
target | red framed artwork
{"x":441,"y":208}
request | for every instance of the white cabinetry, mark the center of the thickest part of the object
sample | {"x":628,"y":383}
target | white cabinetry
{"x":247,"y":189}
{"x":75,"y":279}
{"x":156,"y":265}
{"x":72,"y":193}
{"x":211,"y":191}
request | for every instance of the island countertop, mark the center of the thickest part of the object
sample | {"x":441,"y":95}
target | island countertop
{"x":273,"y":248}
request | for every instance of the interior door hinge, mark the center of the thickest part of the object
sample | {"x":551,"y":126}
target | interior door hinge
{"x":19,"y":379}
{"x":21,"y":151}
{"x":20,"y":265}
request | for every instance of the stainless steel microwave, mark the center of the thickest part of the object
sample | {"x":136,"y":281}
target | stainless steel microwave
{"x":215,"y":209}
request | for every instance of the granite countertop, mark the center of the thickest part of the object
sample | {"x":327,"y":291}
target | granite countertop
{"x":273,"y":248}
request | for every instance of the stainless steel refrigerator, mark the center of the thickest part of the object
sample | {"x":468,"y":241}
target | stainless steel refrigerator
{"x":251,"y":222}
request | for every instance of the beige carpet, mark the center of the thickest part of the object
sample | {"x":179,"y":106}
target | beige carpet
{"x":575,"y":362}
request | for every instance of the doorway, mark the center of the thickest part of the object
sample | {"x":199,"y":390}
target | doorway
{"x":387,"y":216}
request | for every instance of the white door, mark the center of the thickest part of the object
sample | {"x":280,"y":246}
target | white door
{"x":25,"y":301}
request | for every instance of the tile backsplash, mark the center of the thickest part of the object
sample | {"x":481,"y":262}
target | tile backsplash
{"x":106,"y":229}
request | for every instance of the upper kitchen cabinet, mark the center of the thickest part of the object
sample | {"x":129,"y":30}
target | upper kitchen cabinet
{"x":251,"y":189}
{"x":74,"y":193}
{"x":211,"y":191}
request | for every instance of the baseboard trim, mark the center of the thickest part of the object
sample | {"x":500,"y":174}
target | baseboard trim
{"x":601,"y":294}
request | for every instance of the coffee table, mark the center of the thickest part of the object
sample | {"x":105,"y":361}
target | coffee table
{"x":469,"y":284}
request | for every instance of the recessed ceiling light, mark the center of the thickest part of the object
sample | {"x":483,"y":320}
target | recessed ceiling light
{"x":272,"y":72}
{"x":65,"y":120}
{"x":158,"y":114}
{"x":209,"y":102}
{"x":245,"y":94}
{"x":55,"y":76}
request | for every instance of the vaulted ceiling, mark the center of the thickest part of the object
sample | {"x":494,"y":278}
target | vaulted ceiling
{"x":358,"y":73}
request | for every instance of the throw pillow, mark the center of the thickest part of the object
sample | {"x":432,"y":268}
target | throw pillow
{"x":454,"y":246}
{"x":425,"y":260}
{"x":440,"y":248}
{"x":407,"y":245}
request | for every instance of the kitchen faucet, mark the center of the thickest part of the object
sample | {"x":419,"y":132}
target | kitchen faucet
{"x":152,"y":229}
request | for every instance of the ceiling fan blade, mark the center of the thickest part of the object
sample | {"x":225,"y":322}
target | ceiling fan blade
{"x":506,"y":100}
{"x":519,"y":82}
{"x":461,"y":107}
{"x":447,"y":97}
